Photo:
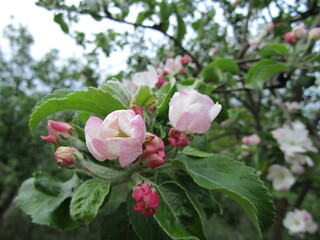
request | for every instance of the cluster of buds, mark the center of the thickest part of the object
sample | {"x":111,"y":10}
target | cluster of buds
{"x":147,"y":199}
{"x":299,"y":32}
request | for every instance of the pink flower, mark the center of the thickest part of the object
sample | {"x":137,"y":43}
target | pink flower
{"x":314,"y":34}
{"x":65,"y":156}
{"x":58,"y":131}
{"x":173,"y":66}
{"x":299,"y":31}
{"x":137,"y":110}
{"x":161,"y":81}
{"x":289,"y":37}
{"x":147,"y":199}
{"x":269,"y":27}
{"x":149,"y":78}
{"x":183,"y":71}
{"x":120,"y":135}
{"x":192,"y":112}
{"x":253,"y":139}
{"x":178,"y":138}
{"x":185,"y":60}
{"x":153,"y":151}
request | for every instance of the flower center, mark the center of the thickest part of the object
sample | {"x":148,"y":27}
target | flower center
{"x":121,"y":134}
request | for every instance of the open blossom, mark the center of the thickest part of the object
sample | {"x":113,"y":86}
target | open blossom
{"x":153,"y":151}
{"x":253,"y":139}
{"x":281,"y":177}
{"x":173,"y":66}
{"x":147,"y":199}
{"x":293,"y":141}
{"x":299,"y":221}
{"x":120,"y":135}
{"x":192,"y":112}
{"x":149,"y":78}
{"x":58,"y":132}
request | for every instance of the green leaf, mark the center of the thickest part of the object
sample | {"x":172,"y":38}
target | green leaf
{"x":117,"y":90}
{"x":274,"y":50}
{"x":177,"y":214}
{"x":164,"y":95}
{"x":144,"y":96}
{"x":44,"y":208}
{"x":181,"y":28}
{"x":46,"y":184}
{"x":143,"y":15}
{"x":262,"y":71}
{"x":213,"y":72}
{"x":164,"y":15}
{"x":88,"y":199}
{"x":235,"y":180}
{"x":190,"y":151}
{"x":93,"y":100}
{"x":116,"y":225}
{"x":226,"y":65}
{"x":146,"y":227}
{"x":58,"y":18}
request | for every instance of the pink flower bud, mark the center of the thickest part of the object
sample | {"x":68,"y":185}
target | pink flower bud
{"x":269,"y":27}
{"x":161,"y":81}
{"x":65,"y":156}
{"x":178,"y":138}
{"x":185,"y":60}
{"x":147,"y":199}
{"x":138,"y":110}
{"x":153,"y":151}
{"x":183,"y":71}
{"x":192,"y":112}
{"x":58,"y":131}
{"x":289,"y":37}
{"x":299,"y":31}
{"x":165,"y":72}
{"x":253,"y":139}
{"x":314,"y":34}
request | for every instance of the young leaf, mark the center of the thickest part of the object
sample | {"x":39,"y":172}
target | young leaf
{"x":94,"y":101}
{"x":181,"y":28}
{"x":45,"y":208}
{"x":235,"y":180}
{"x":213,"y":71}
{"x":146,"y":227}
{"x":116,"y":89}
{"x":274,"y":50}
{"x":144,"y":96}
{"x":143,"y":15}
{"x":177,"y":214}
{"x":88,"y":199}
{"x":190,"y":151}
{"x":165,"y":93}
{"x":262,"y":71}
{"x":58,"y":18}
{"x":116,"y":225}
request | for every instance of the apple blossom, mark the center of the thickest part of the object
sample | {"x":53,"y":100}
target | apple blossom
{"x":137,"y":110}
{"x":161,"y":81}
{"x":66,"y":156}
{"x":289,"y":37}
{"x":58,"y":132}
{"x":185,"y":60}
{"x":178,"y":138}
{"x":147,"y":199}
{"x":253,"y":139}
{"x":281,"y":177}
{"x":192,"y":112}
{"x":149,"y":78}
{"x":299,"y":221}
{"x":314,"y":34}
{"x":153,"y":151}
{"x":173,"y":66}
{"x":299,"y":31}
{"x":120,"y":135}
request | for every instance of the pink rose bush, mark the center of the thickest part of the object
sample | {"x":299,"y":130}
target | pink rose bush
{"x":120,"y":135}
{"x":147,"y":199}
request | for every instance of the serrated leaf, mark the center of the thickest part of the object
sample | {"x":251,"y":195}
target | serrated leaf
{"x":44,"y":208}
{"x":164,"y":95}
{"x":117,"y":90}
{"x":93,"y":100}
{"x":274,"y":50}
{"x":116,"y":225}
{"x":146,"y":227}
{"x":46,"y":184}
{"x":235,"y":180}
{"x":88,"y":199}
{"x":144,"y":96}
{"x":177,"y":214}
{"x":190,"y":151}
{"x":58,"y":18}
{"x":262,"y":71}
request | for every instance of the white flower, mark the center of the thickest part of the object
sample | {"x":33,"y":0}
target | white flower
{"x":149,"y":78}
{"x":281,"y":177}
{"x":300,"y":221}
{"x":173,"y":66}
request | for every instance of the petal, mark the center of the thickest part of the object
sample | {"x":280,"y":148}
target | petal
{"x":101,"y":149}
{"x":214,"y":111}
{"x":138,"y":128}
{"x":92,"y":128}
{"x":131,"y":149}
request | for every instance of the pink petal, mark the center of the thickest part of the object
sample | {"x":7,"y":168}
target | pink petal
{"x":131,"y":149}
{"x":92,"y":128}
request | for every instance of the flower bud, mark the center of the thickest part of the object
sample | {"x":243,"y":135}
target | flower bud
{"x":153,"y":151}
{"x":253,"y":139}
{"x":314,"y":34}
{"x":138,"y":110}
{"x":289,"y":37}
{"x":147,"y":199}
{"x":161,"y":81}
{"x":183,"y":71}
{"x":299,"y":31}
{"x":66,"y":157}
{"x":178,"y":138}
{"x":185,"y":60}
{"x":58,"y":132}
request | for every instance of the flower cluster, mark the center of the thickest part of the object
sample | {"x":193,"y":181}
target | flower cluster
{"x":299,"y":222}
{"x":281,"y":177}
{"x":299,"y":32}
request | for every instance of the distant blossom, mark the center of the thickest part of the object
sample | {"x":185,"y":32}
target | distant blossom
{"x":281,"y":177}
